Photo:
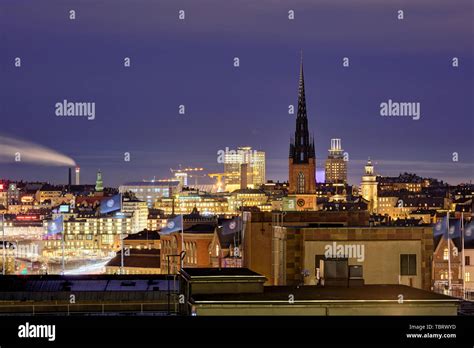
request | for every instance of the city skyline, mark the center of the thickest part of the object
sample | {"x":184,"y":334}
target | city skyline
{"x":137,"y":107}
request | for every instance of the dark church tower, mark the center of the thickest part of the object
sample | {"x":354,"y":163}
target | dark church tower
{"x":302,"y":175}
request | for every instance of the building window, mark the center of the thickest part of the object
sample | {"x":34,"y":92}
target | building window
{"x":467,"y":260}
{"x":300,"y":185}
{"x":408,"y":264}
{"x":445,"y":254}
{"x":467,"y":277}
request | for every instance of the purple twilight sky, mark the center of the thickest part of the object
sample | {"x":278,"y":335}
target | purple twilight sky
{"x":190,"y":62}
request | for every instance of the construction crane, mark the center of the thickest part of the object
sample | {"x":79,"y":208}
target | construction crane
{"x":219,"y":182}
{"x":185,"y":172}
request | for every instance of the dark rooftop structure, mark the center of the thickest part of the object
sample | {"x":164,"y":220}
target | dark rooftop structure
{"x":240,"y":291}
{"x":138,"y":258}
{"x":200,"y":228}
{"x":143,"y":235}
{"x":219,"y":272}
{"x":366,"y":293}
{"x":94,"y":294}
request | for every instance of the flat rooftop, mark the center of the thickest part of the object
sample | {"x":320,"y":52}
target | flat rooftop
{"x":366,"y":293}
{"x":98,"y":283}
{"x":219,"y":272}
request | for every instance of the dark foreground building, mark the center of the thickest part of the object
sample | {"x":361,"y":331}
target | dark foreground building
{"x":239,"y":291}
{"x":210,"y":291}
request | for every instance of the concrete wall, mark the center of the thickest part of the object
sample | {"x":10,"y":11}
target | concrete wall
{"x":381,"y":260}
{"x":383,"y":243}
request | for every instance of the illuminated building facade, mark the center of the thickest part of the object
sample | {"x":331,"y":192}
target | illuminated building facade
{"x":406,"y":181}
{"x":151,"y":191}
{"x":368,"y":187}
{"x":249,"y":198}
{"x":89,"y":236}
{"x":187,"y":201}
{"x":244,"y":168}
{"x":138,"y":212}
{"x":336,"y":165}
{"x":443,"y":256}
{"x":197,"y":242}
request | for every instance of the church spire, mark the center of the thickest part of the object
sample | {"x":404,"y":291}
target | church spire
{"x":301,"y":92}
{"x":302,"y":161}
{"x":302,"y":146}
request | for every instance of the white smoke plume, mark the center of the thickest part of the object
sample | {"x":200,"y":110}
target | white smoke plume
{"x":12,"y":150}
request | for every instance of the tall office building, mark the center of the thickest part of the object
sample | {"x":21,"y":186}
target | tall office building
{"x":302,"y":158}
{"x":336,"y":166}
{"x":244,"y":168}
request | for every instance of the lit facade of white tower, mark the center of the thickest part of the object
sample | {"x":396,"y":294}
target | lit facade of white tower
{"x":336,"y":164}
{"x":368,"y":187}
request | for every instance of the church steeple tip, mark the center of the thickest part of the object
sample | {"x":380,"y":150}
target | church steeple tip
{"x":301,"y":91}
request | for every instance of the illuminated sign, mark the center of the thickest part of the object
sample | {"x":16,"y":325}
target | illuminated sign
{"x":27,"y":217}
{"x":64,"y":208}
{"x":27,"y":199}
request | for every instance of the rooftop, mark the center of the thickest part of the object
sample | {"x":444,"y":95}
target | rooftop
{"x":152,"y":183}
{"x":366,"y":293}
{"x":143,"y":235}
{"x":138,"y":258}
{"x":219,"y":272}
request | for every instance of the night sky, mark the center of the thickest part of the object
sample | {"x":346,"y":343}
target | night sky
{"x":190,"y":62}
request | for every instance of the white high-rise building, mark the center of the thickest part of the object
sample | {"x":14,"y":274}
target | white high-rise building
{"x":138,"y":211}
{"x":336,"y":165}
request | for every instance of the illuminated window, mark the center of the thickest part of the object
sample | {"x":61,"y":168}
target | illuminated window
{"x":300,"y":185}
{"x":446,"y":254}
{"x":467,"y":277}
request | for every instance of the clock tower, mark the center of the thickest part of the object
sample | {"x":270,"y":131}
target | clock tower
{"x":302,"y":159}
